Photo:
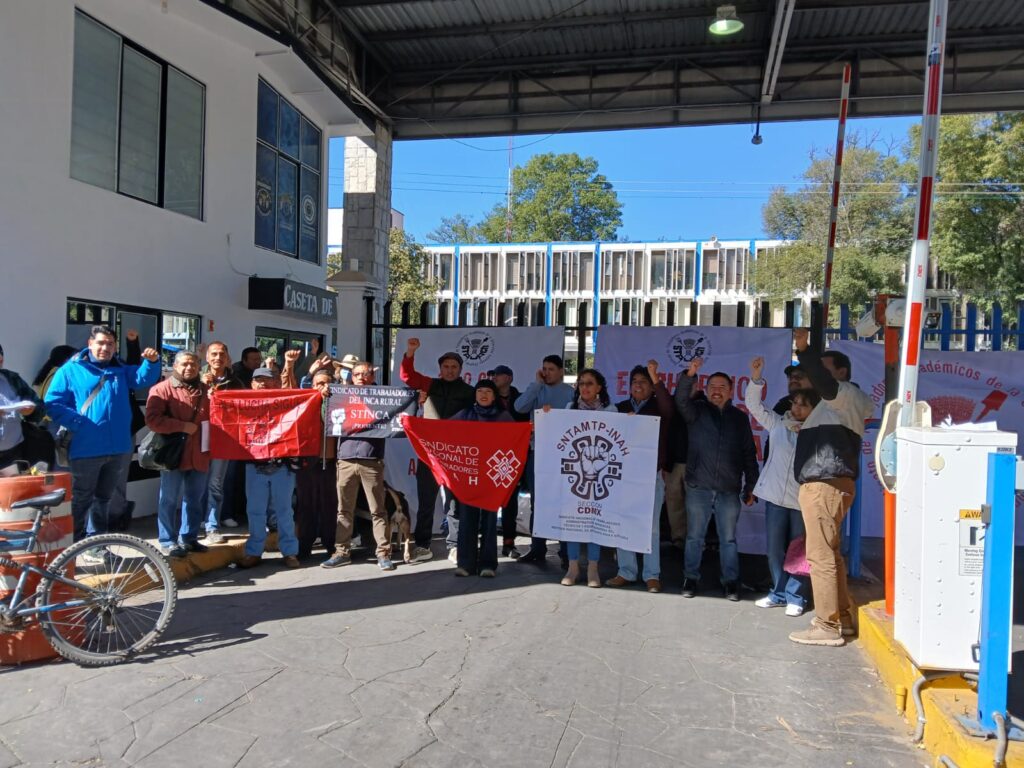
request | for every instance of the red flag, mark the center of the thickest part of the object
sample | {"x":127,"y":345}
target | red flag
{"x":480,"y":461}
{"x":265,"y":424}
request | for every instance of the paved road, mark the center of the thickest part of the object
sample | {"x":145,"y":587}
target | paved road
{"x":352,"y":667}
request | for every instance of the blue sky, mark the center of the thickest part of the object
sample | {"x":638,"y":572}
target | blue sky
{"x":684,"y":183}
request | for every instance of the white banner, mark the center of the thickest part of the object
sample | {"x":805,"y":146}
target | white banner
{"x":595,"y":473}
{"x":967,"y":386}
{"x":730,"y":350}
{"x":521,"y":349}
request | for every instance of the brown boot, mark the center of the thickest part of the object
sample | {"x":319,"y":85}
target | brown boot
{"x":572,"y":574}
{"x":249,"y":561}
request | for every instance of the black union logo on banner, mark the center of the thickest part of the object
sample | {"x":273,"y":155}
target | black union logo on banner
{"x":592,"y":467}
{"x":476,"y":347}
{"x":686,"y":346}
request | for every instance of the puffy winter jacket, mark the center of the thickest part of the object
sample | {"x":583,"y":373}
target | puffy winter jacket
{"x":776,"y":483}
{"x":105,"y":428}
{"x":828,"y":446}
{"x":722,"y":455}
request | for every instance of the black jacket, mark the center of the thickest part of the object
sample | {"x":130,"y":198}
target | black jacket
{"x":509,"y":404}
{"x":721,"y":455}
{"x":829,"y":443}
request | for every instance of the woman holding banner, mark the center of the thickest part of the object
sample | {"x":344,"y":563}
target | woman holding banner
{"x":477,"y":549}
{"x":591,"y":395}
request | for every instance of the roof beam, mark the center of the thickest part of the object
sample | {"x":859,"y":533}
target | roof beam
{"x":780,"y":32}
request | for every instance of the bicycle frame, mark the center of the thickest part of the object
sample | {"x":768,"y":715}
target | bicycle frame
{"x":26,"y":540}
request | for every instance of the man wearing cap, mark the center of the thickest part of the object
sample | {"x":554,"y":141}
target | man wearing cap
{"x":548,"y":389}
{"x":446,"y":395}
{"x":797,"y":379}
{"x":502,"y":375}
{"x":268,"y":491}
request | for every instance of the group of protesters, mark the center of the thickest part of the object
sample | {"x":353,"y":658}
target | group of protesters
{"x":707,"y":462}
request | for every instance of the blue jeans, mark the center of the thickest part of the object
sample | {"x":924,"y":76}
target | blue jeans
{"x":652,"y":562}
{"x":93,"y":481}
{"x":215,"y":493}
{"x":270,"y":493}
{"x":701,"y":504}
{"x":782,"y":525}
{"x":190,"y":486}
{"x":573,"y":548}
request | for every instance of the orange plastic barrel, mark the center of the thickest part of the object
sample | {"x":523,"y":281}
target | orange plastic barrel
{"x":29,"y":644}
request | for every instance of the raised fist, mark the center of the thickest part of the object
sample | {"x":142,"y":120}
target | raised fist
{"x":652,"y":369}
{"x":151,"y":354}
{"x":411,"y":346}
{"x":292,"y":356}
{"x":801,"y":338}
{"x":756,"y":368}
{"x":592,"y":460}
{"x":695,"y":365}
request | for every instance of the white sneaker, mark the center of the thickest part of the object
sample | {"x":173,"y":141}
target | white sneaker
{"x":453,"y":555}
{"x":794,"y":610}
{"x":768,"y":602}
{"x":229,"y":522}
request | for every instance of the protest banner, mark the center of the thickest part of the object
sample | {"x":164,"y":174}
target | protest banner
{"x":595,"y":474}
{"x":481,"y":462}
{"x":367,"y":411}
{"x":481,"y":349}
{"x":967,"y":387}
{"x":265,"y":424}
{"x":730,"y":350}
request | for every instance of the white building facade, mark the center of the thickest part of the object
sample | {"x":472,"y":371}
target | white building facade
{"x":164,"y":169}
{"x":610,"y":283}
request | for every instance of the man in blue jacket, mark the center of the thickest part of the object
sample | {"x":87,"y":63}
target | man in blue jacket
{"x":89,"y":395}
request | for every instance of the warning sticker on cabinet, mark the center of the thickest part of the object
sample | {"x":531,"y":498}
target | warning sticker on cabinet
{"x":972,"y":543}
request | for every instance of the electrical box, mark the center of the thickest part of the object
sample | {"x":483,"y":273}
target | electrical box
{"x":941,"y":477}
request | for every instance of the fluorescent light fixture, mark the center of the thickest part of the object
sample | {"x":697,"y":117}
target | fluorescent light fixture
{"x":725,"y":22}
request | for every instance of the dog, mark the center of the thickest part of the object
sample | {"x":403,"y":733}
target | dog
{"x":398,"y":520}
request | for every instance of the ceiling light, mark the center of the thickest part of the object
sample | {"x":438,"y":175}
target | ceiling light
{"x":725,"y":22}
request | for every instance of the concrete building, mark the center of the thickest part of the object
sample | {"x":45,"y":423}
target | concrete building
{"x":165,"y":169}
{"x":610,"y":282}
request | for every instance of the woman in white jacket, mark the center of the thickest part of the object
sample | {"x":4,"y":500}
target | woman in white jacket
{"x":778,"y":488}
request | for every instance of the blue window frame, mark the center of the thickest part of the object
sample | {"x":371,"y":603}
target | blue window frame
{"x":288,"y":187}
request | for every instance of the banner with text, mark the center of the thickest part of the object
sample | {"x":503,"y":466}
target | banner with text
{"x":368,"y":411}
{"x":481,"y":462}
{"x":258,"y":425}
{"x":521,"y":349}
{"x":619,"y":348}
{"x":594,"y":477}
{"x":965,"y":386}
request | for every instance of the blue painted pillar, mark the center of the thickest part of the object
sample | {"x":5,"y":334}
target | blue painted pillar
{"x":548,"y":279}
{"x":596,"y":309}
{"x":698,"y":265}
{"x":455,"y":286}
{"x":997,"y":590}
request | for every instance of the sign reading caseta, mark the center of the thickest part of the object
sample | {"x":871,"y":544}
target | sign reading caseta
{"x":595,"y":475}
{"x":299,"y":299}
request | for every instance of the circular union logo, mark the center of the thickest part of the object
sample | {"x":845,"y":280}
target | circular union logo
{"x":476,"y":347}
{"x":308,"y":209}
{"x":685,"y":346}
{"x":263,"y":204}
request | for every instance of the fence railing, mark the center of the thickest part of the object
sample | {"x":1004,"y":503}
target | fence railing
{"x":995,"y":330}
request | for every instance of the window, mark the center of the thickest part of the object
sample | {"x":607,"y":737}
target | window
{"x":287,"y":178}
{"x":137,"y":123}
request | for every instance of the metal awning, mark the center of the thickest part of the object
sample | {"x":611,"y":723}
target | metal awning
{"x":457,"y":68}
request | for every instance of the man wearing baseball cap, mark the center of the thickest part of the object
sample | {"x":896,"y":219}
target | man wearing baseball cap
{"x":446,"y":395}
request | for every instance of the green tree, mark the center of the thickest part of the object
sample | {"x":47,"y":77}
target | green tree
{"x":978,"y":224}
{"x":557,"y":197}
{"x":455,"y":229}
{"x":873,"y":228}
{"x":408,"y":273}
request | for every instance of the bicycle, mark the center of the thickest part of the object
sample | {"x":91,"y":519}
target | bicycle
{"x":101,"y":601}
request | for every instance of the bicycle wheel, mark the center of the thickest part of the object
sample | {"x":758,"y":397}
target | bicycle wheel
{"x":122,"y":597}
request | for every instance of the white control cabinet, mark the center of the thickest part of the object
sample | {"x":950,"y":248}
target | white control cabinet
{"x":941,"y":479}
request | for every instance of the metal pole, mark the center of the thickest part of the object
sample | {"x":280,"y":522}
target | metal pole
{"x":833,"y":213}
{"x":918,"y":268}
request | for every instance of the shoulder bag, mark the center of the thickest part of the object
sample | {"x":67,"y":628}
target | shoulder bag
{"x":164,"y":452}
{"x":62,"y":440}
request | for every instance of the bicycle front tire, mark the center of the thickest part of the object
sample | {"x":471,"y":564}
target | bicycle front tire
{"x":127,"y":596}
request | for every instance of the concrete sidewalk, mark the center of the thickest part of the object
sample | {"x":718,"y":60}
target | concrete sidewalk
{"x":353,"y":667}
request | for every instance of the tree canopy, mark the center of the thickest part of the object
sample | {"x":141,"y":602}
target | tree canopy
{"x":873,"y":226}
